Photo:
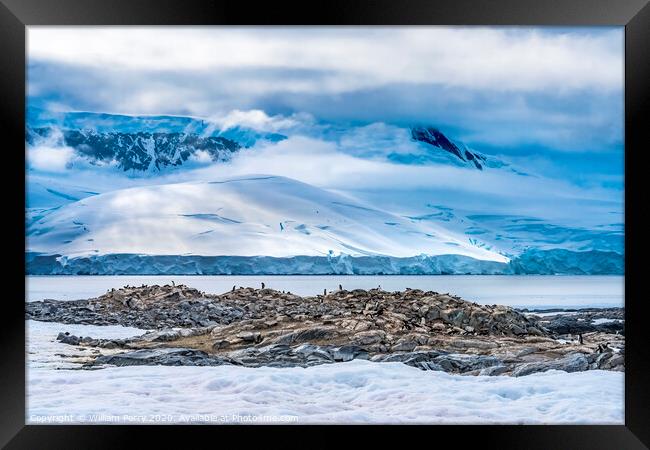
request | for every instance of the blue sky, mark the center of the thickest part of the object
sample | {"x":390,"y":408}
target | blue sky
{"x":548,"y":98}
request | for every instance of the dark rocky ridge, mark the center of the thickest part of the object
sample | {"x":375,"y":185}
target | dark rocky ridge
{"x":264,"y":327}
{"x":433,"y":137}
{"x":572,"y":321}
{"x":140,"y":151}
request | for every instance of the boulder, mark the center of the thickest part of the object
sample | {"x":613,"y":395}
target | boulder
{"x":573,"y":362}
{"x":347,"y":353}
{"x":369,"y":337}
{"x":162,"y":357}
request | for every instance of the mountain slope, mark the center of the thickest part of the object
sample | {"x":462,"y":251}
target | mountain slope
{"x":515,"y":234}
{"x":250,"y":216}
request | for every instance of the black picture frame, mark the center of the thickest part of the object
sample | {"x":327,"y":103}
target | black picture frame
{"x":15,"y":15}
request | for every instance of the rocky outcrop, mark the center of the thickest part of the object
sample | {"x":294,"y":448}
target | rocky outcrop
{"x":163,"y":357}
{"x":147,"y":307}
{"x":415,"y":311}
{"x":264,"y":327}
{"x":574,"y":362}
{"x":605,"y":320}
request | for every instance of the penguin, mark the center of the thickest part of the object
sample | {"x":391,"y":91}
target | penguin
{"x":173,"y":284}
{"x":233,"y":289}
{"x":340,"y":287}
{"x":324,"y":292}
{"x":263,"y":285}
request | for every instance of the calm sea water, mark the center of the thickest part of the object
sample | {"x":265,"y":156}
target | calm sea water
{"x":516,"y":291}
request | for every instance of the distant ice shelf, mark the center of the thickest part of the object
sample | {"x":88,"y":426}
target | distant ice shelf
{"x":549,"y":262}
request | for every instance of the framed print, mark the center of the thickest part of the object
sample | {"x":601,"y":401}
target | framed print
{"x":364,"y":215}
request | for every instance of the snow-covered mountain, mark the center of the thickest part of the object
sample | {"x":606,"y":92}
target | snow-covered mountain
{"x":44,"y":194}
{"x":141,"y":151}
{"x":116,"y":205}
{"x":144,"y":143}
{"x":248,"y":216}
{"x":121,"y":123}
{"x":272,"y":225}
{"x":139,"y":144}
{"x":515,"y":234}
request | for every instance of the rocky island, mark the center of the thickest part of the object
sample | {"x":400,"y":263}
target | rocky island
{"x":264,"y":327}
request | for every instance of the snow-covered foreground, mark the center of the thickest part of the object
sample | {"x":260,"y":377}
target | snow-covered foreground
{"x":351,"y":392}
{"x":44,"y":351}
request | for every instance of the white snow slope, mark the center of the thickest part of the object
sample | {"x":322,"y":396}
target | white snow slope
{"x":351,"y":392}
{"x":246,"y":216}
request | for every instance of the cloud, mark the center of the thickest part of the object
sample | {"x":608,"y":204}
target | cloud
{"x":333,"y":165}
{"x":258,"y":120}
{"x":581,"y":121}
{"x":322,"y":163}
{"x":378,"y":139}
{"x":501,"y":59}
{"x":570,"y":122}
{"x":406,"y":189}
{"x":533,"y":93}
{"x":50,"y":159}
{"x":201,"y":157}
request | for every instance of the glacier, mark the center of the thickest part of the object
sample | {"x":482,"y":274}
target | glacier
{"x":140,"y":264}
{"x":567,"y":262}
{"x":271,"y":225}
{"x":552,"y":262}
